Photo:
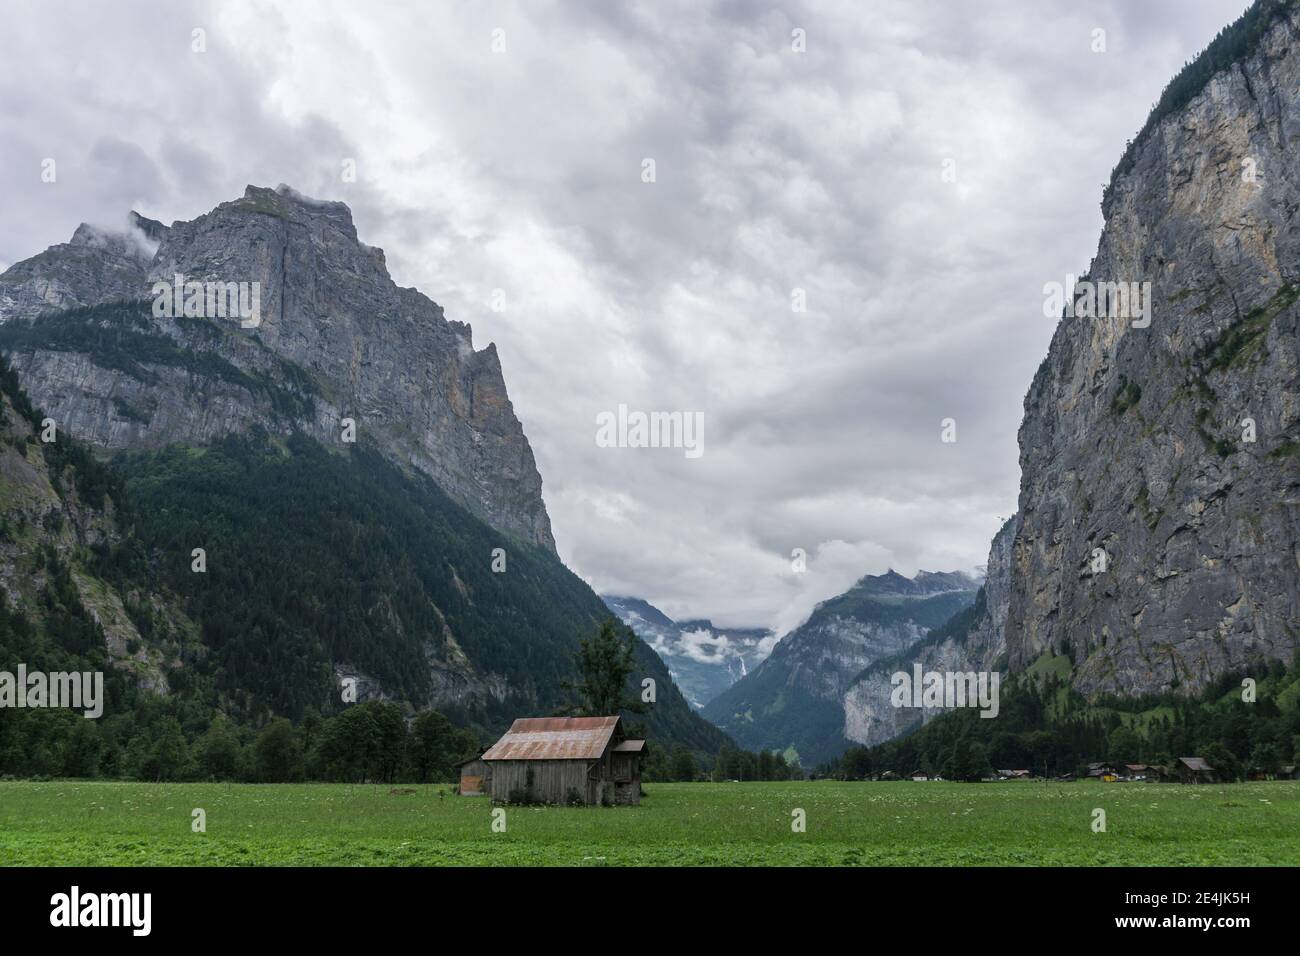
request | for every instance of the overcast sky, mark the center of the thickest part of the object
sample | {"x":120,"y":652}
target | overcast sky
{"x":775,"y":170}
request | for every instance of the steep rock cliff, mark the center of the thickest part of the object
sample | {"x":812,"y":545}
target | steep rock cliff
{"x":1156,"y":539}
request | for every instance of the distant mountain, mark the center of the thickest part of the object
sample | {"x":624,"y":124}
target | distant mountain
{"x":704,"y":659}
{"x":972,"y":640}
{"x":795,"y":700}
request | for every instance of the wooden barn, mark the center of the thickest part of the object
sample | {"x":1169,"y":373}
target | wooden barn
{"x":587,"y":760}
{"x":1194,"y":770}
{"x":473,"y":777}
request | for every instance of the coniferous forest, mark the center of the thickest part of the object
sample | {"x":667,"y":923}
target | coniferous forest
{"x":310,"y":555}
{"x":1047,"y":727}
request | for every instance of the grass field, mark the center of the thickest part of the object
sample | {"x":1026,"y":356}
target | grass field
{"x":1027,"y":823}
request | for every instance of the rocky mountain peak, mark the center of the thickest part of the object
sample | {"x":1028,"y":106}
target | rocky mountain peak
{"x":353,"y":344}
{"x":924,"y":582}
{"x":152,"y":228}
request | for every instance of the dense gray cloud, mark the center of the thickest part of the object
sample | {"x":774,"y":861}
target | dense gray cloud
{"x":521,"y":171}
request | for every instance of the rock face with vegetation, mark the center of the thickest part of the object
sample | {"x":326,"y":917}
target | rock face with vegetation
{"x":795,"y":700}
{"x":60,"y":610}
{"x":336,"y":336}
{"x":1160,"y":495}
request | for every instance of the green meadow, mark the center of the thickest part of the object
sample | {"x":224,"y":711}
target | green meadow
{"x":96,"y":823}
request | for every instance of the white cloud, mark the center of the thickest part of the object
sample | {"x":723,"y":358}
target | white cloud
{"x":704,"y":646}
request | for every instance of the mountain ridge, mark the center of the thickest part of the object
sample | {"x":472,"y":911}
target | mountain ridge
{"x":794,"y":702}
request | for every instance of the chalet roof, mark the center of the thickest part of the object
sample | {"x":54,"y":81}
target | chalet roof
{"x":1195,"y":763}
{"x":629,"y":746}
{"x":554,"y":738}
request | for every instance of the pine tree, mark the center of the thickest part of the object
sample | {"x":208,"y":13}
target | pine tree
{"x":604,"y":663}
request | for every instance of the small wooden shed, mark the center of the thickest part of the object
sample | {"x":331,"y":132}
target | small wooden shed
{"x":1194,"y":770}
{"x":587,"y":760}
{"x":474,"y":774}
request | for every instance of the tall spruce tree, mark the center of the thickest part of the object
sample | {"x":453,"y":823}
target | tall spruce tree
{"x":604,"y":664}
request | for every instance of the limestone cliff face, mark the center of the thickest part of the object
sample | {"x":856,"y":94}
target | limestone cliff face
{"x":1135,"y":443}
{"x":335,"y":335}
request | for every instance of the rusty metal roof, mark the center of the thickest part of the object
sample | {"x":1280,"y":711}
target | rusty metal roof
{"x":629,"y":746}
{"x":554,"y":738}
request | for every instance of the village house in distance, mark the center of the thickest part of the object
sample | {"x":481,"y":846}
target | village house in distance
{"x":573,"y":760}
